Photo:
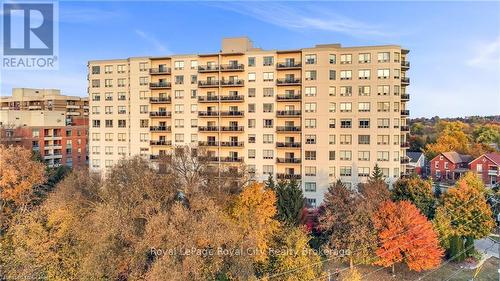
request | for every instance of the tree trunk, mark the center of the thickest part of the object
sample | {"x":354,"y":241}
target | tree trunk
{"x":351,"y":263}
{"x":393,"y":273}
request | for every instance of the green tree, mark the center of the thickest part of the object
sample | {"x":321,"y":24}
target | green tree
{"x":377,"y":174}
{"x":289,"y":203}
{"x":270,"y":183}
{"x":487,"y":134}
{"x":417,"y":191}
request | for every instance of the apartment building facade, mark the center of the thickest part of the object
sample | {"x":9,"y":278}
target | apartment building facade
{"x":313,"y":114}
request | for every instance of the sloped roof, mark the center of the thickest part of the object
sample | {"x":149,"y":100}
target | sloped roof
{"x":493,"y":156}
{"x":455,"y":157}
{"x":414,"y":155}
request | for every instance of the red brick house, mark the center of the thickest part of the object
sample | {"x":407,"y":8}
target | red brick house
{"x":487,"y":167}
{"x":449,"y":166}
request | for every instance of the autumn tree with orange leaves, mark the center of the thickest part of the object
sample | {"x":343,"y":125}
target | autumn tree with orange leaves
{"x":406,"y":236}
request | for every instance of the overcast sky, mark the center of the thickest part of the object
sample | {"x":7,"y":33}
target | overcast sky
{"x":454,"y":46}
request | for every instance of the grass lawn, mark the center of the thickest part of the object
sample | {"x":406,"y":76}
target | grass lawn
{"x":450,"y":271}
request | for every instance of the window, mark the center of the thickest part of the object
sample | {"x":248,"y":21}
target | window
{"x":331,"y":91}
{"x":383,"y":57}
{"x":96,"y":123}
{"x":179,"y":79}
{"x":310,"y":187}
{"x":396,"y":73}
{"x":345,"y":107}
{"x":345,"y":91}
{"x":142,"y":81}
{"x":96,"y":110}
{"x":251,"y":153}
{"x":95,"y":150}
{"x":108,"y":110}
{"x":310,"y":155}
{"x":121,"y":68}
{"x":144,"y":123}
{"x":179,"y":65}
{"x":363,"y":172}
{"x":108,"y":150}
{"x":122,"y":150}
{"x":251,"y":138}
{"x":251,"y":77}
{"x":332,"y":107}
{"x":96,"y":69}
{"x":310,"y":107}
{"x":331,"y":123}
{"x":179,"y":138}
{"x":311,"y":75}
{"x":122,"y":137}
{"x":122,"y":123}
{"x":194,"y":108}
{"x":143,"y":95}
{"x":364,"y":155}
{"x":268,"y":92}
{"x":383,"y":90}
{"x":364,"y":74}
{"x":383,"y":73}
{"x":122,"y":110}
{"x":96,"y":83}
{"x":345,"y":171}
{"x":332,"y":75}
{"x":96,"y":136}
{"x":310,"y":202}
{"x":268,"y":138}
{"x":108,"y":83}
{"x":122,"y":96}
{"x":310,"y":171}
{"x":331,"y":139}
{"x":364,"y":90}
{"x":194,"y":64}
{"x":143,"y":66}
{"x":346,"y":59}
{"x":268,"y":154}
{"x":311,"y":139}
{"x":364,"y":58}
{"x":251,"y":61}
{"x":364,"y":123}
{"x":108,"y":69}
{"x":179,"y":94}
{"x":268,"y":123}
{"x":383,"y":123}
{"x":345,"y":155}
{"x":364,"y":107}
{"x":194,"y":123}
{"x":194,"y":79}
{"x":267,"y":169}
{"x":179,"y":123}
{"x":251,"y":92}
{"x":109,"y":123}
{"x":251,"y":107}
{"x":345,"y":123}
{"x":345,"y":139}
{"x":382,"y":139}
{"x":108,"y":96}
{"x":310,"y":123}
{"x":179,"y":108}
{"x":268,"y":76}
{"x":310,"y":59}
{"x":382,"y":155}
{"x":332,"y":58}
{"x":251,"y":123}
{"x":383,"y":106}
{"x":96,"y":97}
{"x":268,"y":61}
{"x":345,"y":75}
{"x":331,"y":155}
{"x":143,"y":109}
{"x":108,"y":137}
{"x":397,"y":57}
{"x":310,"y":91}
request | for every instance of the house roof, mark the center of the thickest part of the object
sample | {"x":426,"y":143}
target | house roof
{"x":414,"y":155}
{"x":455,"y":157}
{"x":493,"y":156}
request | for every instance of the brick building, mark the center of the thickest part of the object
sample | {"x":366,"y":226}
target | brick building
{"x":487,"y":166}
{"x":449,"y":166}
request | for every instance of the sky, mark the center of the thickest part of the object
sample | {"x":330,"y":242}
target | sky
{"x":454,"y":46}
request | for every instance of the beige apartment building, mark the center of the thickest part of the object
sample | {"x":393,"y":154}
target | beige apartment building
{"x":314,"y":114}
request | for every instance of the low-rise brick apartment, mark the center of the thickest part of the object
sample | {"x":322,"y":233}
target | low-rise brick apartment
{"x":487,"y":167}
{"x":45,"y":121}
{"x":314,"y":114}
{"x":447,"y":167}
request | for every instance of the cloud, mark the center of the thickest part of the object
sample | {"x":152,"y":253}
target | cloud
{"x":306,"y":18}
{"x":159,"y":46}
{"x":486,"y":55}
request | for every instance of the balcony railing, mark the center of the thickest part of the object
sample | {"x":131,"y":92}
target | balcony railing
{"x":405,"y":97}
{"x":405,"y":128}
{"x":208,"y":143}
{"x":288,"y":113}
{"x":405,"y":112}
{"x":285,"y":176}
{"x":405,"y":80}
{"x":231,"y":159}
{"x":232,"y":143}
{"x":160,"y":142}
{"x":232,"y":113}
{"x":405,"y":144}
{"x":208,"y":84}
{"x":232,"y":67}
{"x":160,"y":85}
{"x":229,"y":98}
{"x":160,"y":99}
{"x":288,"y":82}
{"x":208,"y":113}
{"x":288,"y":129}
{"x":160,"y":114}
{"x":492,"y":172}
{"x":208,"y":68}
{"x":288,"y":160}
{"x":208,"y":128}
{"x":289,"y":97}
{"x":160,"y":128}
{"x":232,"y":83}
{"x":232,"y":128}
{"x":288,"y":65}
{"x":160,"y":70}
{"x":405,"y":64}
{"x":405,"y":160}
{"x":288,"y":144}
{"x":208,"y":99}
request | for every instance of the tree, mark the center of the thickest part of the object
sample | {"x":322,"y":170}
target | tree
{"x":345,"y":224}
{"x":254,"y":211}
{"x":269,"y":183}
{"x":418,"y":192}
{"x":406,"y":236}
{"x":290,"y":251}
{"x":451,"y":138}
{"x":375,"y":193}
{"x":377,"y":174}
{"x":487,"y":134}
{"x":352,"y":275}
{"x":290,"y":203}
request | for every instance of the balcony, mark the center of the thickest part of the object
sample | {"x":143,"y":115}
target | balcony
{"x":160,"y":70}
{"x":231,"y":159}
{"x":405,"y":160}
{"x":288,"y":65}
{"x":160,"y":85}
{"x":405,"y":97}
{"x":160,"y":100}
{"x":405,"y":81}
{"x":160,"y":114}
{"x":34,"y":107}
{"x":208,"y":99}
{"x":160,"y":142}
{"x":288,"y":113}
{"x":232,"y":128}
{"x":208,"y":128}
{"x":289,"y":97}
{"x":230,"y":98}
{"x":208,"y":68}
{"x":232,"y":83}
{"x":208,"y":143}
{"x":232,"y":67}
{"x":208,"y":84}
{"x":288,"y":160}
{"x":72,"y":106}
{"x":232,"y":113}
{"x":405,"y":64}
{"x":52,"y":156}
{"x":405,"y":128}
{"x":160,"y":128}
{"x":405,"y":112}
{"x":405,"y":144}
{"x":232,"y":143}
{"x":492,"y":172}
{"x":208,"y":113}
{"x":288,"y":129}
{"x":288,"y":144}
{"x":73,"y":113}
{"x":288,"y":82}
{"x":285,"y":176}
